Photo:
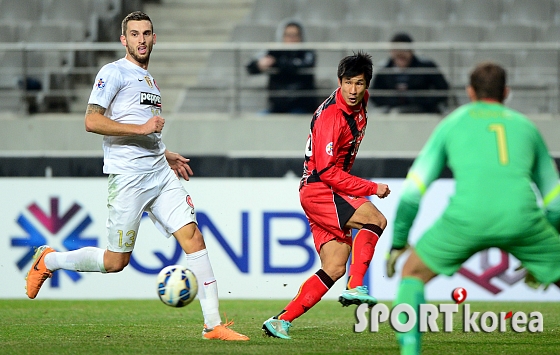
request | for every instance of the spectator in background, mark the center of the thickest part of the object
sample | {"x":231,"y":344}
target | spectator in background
{"x":291,"y":81}
{"x":403,"y":74}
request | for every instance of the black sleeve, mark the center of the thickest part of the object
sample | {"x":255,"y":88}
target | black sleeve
{"x":286,"y":61}
{"x":253,"y":67}
{"x":380,"y":83}
{"x":438,"y":82}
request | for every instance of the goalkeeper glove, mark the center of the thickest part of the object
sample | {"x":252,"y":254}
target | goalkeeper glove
{"x":530,"y":280}
{"x":392,"y":257}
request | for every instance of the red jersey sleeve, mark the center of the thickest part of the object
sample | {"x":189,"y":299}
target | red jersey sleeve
{"x":326,"y":150}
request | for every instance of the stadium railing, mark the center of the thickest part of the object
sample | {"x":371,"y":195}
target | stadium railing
{"x":203,"y":77}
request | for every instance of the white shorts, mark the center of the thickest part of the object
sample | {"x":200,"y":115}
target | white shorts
{"x":159,"y":193}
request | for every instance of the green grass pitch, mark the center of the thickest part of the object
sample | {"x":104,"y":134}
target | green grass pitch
{"x":149,"y":327}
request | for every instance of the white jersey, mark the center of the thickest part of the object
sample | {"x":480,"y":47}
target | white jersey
{"x":130,"y":95}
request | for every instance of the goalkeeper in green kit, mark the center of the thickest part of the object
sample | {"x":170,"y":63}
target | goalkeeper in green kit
{"x":496,"y":156}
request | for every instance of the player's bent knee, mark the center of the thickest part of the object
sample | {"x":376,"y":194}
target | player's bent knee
{"x":369,"y":214}
{"x":115,"y":267}
{"x":190,"y":238}
{"x":115,"y":262}
{"x":380,"y":220}
{"x":335,"y":272}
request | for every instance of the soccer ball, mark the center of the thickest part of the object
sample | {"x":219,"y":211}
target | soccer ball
{"x":176,"y":286}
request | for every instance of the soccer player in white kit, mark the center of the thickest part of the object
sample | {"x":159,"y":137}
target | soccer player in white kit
{"x":125,"y":107}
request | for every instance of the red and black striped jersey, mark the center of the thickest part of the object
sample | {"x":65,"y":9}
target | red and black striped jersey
{"x":333,"y":142}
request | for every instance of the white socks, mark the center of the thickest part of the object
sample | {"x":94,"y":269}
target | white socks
{"x":91,"y":259}
{"x":199,"y":263}
{"x":84,"y":259}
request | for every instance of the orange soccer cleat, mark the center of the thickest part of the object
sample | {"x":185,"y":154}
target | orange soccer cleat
{"x":38,"y":272}
{"x":223,"y":332}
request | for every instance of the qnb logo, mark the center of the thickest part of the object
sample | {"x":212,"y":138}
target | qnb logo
{"x":55,"y":228}
{"x":402,"y":318}
{"x":150,"y":99}
{"x":492,"y":270}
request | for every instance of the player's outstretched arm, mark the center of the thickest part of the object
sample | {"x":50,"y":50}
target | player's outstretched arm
{"x":179,"y":164}
{"x":97,"y":122}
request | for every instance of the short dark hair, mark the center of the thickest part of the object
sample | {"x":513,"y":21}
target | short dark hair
{"x":401,"y":37}
{"x":134,"y":16}
{"x":488,"y":81}
{"x":294,"y":24}
{"x":354,"y":65}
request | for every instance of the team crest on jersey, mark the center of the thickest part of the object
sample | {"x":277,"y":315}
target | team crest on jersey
{"x":149,"y":81}
{"x":189,"y":201}
{"x":100,"y":84}
{"x":329,"y":148}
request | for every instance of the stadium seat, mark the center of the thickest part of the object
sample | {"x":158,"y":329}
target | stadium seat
{"x":315,"y":32}
{"x":536,"y":68}
{"x":528,"y":11}
{"x":355,"y":33}
{"x":72,"y":12}
{"x":372,"y":11}
{"x":418,"y":32}
{"x":253,"y":100}
{"x":466,"y":60}
{"x":529,"y":101}
{"x":450,"y":32}
{"x":425,"y":11}
{"x":477,"y":11}
{"x":325,"y":71}
{"x":321,"y":11}
{"x":510,"y":33}
{"x":253,"y":32}
{"x":444,"y":59}
{"x":9,"y":31}
{"x":503,"y":57}
{"x":11,"y":82}
{"x":19,"y":11}
{"x":11,"y":69}
{"x":226,"y":69}
{"x":271,"y":11}
{"x":219,"y":70}
{"x":51,"y":68}
{"x":549,"y":33}
{"x":195,"y":100}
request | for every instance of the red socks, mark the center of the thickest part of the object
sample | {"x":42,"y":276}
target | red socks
{"x":363,"y":248}
{"x":310,"y":292}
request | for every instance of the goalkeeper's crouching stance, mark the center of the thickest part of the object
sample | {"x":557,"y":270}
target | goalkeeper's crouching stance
{"x":494,"y":204}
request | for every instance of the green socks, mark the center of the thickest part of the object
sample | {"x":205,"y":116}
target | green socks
{"x":411,"y":291}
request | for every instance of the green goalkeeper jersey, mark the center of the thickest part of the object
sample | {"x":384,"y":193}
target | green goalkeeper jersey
{"x":500,"y":164}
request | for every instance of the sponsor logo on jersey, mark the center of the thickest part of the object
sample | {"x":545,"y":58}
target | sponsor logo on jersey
{"x":329,"y":148}
{"x":149,"y":81}
{"x":147,"y":98}
{"x":100,"y":84}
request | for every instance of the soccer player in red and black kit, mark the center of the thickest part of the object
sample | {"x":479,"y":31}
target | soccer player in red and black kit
{"x":333,"y":199}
